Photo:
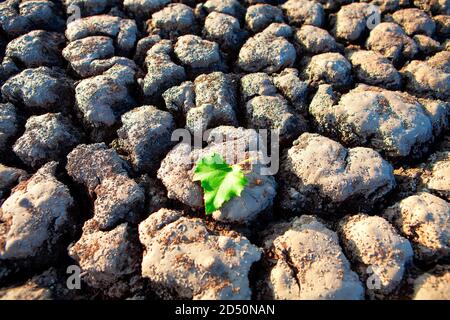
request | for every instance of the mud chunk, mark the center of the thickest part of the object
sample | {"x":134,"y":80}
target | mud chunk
{"x":9,"y":124}
{"x":225,"y":30}
{"x":414,"y":21}
{"x":108,"y":258}
{"x":195,"y":263}
{"x":279,"y":30}
{"x":267,"y":53}
{"x":442,"y":25}
{"x":175,"y":19}
{"x":180,"y":99}
{"x":146,"y":136}
{"x":94,"y":55}
{"x":142,"y":9}
{"x":231,"y":7}
{"x":20,"y":17}
{"x":433,"y":285}
{"x":374,"y":69}
{"x":102,"y":99}
{"x":321,"y":175}
{"x":260,"y":16}
{"x":216,"y":102}
{"x":352,"y":21}
{"x":178,"y":167}
{"x":34,"y":220}
{"x":310,"y":264}
{"x":156,"y":194}
{"x":9,"y":177}
{"x":98,"y":163}
{"x":123,"y":31}
{"x":304,"y":12}
{"x":40,"y":90}
{"x":47,"y":285}
{"x":387,"y":5}
{"x":427,"y":45}
{"x":294,"y":89}
{"x":315,"y":40}
{"x":7,"y":69}
{"x":143,"y":46}
{"x":274,"y":112}
{"x":392,"y":122}
{"x":377,"y":250}
{"x":436,"y":178}
{"x":208,"y":102}
{"x":37,"y":48}
{"x":117,"y":197}
{"x":199,"y":55}
{"x":332,"y":68}
{"x":434,"y":6}
{"x":257,"y":84}
{"x":429,"y":78}
{"x":423,"y":219}
{"x":162,"y":72}
{"x":391,"y":41}
{"x":47,"y":137}
{"x":89,"y":7}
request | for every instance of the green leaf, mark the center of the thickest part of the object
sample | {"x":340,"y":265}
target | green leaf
{"x":220,"y":181}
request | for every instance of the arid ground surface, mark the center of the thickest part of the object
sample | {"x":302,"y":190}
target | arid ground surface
{"x":98,"y":200}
